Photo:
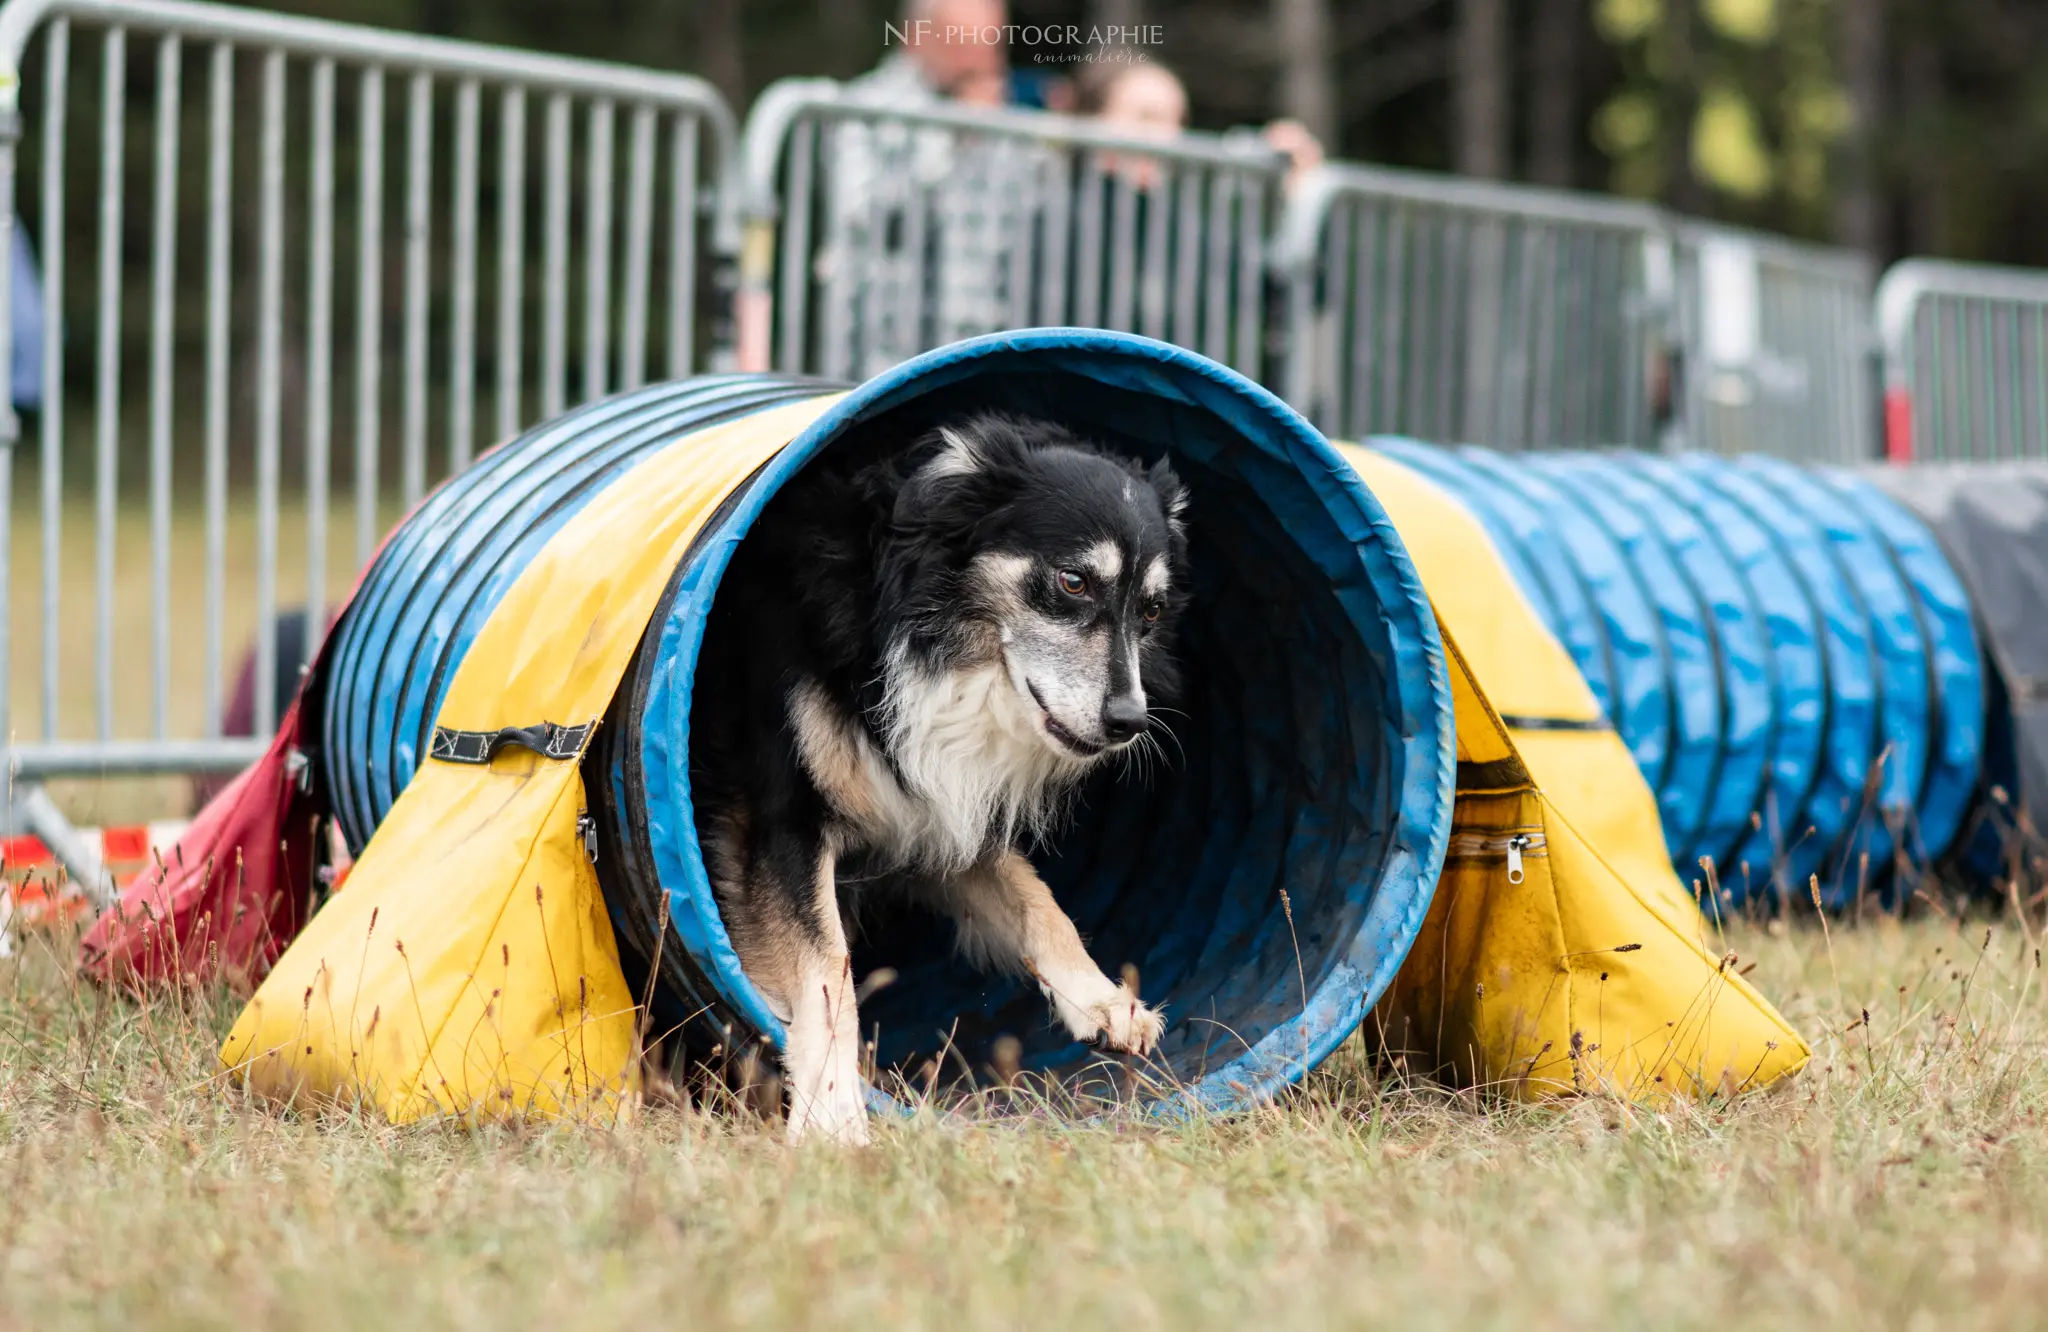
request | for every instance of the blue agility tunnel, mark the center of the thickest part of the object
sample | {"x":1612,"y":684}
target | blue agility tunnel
{"x":1787,"y":653}
{"x":1266,"y":884}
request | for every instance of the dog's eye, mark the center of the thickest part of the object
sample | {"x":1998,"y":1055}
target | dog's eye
{"x":1073,"y":584}
{"x":1153,"y":610}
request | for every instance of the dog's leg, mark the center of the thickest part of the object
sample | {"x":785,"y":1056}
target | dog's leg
{"x":786,"y":927}
{"x":822,"y":1058}
{"x":1007,"y":918}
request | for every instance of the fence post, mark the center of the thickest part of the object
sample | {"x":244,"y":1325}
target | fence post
{"x":1898,"y":297}
{"x":29,"y":807}
{"x":755,"y":201}
{"x":10,"y":424}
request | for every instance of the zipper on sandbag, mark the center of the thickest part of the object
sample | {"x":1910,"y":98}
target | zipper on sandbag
{"x":1511,"y":846}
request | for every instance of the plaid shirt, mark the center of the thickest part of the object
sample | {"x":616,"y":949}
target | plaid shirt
{"x":927,"y":231}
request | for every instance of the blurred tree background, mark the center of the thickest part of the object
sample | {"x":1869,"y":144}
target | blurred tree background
{"x":1899,"y":126}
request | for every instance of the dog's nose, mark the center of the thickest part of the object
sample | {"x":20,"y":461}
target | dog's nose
{"x":1123,"y":716}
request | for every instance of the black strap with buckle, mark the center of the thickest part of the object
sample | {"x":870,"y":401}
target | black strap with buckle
{"x":550,"y":740}
{"x":1520,"y":723}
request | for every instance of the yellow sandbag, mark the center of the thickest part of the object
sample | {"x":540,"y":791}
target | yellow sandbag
{"x":468,"y":968}
{"x":1595,"y":970}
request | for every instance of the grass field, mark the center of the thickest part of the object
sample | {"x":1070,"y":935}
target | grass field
{"x":1902,"y":1181}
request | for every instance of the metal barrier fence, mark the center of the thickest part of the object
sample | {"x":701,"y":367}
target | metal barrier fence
{"x":877,"y":232}
{"x":302,"y":111}
{"x":1966,"y":361}
{"x":1524,"y":318}
{"x":864,"y":233}
{"x":1460,"y":310}
{"x":1779,"y":351}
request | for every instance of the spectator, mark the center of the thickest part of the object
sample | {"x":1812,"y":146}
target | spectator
{"x":1144,"y":98}
{"x":27,"y":324}
{"x":1039,"y":90}
{"x":985,"y":88}
{"x":1145,"y":101}
{"x":938,"y":60}
{"x":922,"y":223}
{"x":1148,"y":100}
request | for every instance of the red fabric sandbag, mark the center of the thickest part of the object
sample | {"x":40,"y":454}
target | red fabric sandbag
{"x":228,"y":897}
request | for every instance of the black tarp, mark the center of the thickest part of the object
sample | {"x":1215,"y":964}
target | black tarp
{"x":1992,"y":520}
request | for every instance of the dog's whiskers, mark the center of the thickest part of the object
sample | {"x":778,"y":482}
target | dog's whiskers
{"x":1162,"y":726}
{"x":1135,"y":767}
{"x":1144,"y":758}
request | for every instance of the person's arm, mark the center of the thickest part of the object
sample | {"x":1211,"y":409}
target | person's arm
{"x":1304,"y":151}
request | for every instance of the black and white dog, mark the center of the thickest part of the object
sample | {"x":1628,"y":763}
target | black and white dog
{"x":910,"y":664}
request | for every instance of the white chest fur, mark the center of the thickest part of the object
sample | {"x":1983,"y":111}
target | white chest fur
{"x":973,"y":766}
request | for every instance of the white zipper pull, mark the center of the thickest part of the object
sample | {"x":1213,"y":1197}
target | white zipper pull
{"x":1515,"y":845}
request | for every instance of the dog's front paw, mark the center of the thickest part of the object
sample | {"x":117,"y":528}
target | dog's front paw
{"x":1117,"y":1021}
{"x":837,"y":1114}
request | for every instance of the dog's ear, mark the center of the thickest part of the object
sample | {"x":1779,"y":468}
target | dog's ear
{"x":961,"y":453}
{"x":1173,"y":495}
{"x":965,"y":470}
{"x":986,"y":444}
{"x":958,"y":476}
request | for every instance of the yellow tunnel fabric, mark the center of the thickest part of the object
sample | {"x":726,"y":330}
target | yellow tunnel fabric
{"x":468,"y":967}
{"x":1587,"y":965}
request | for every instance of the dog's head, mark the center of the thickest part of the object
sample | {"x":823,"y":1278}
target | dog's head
{"x":1015,"y":542}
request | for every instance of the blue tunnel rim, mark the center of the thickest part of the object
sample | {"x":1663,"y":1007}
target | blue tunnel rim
{"x":1422,"y":737}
